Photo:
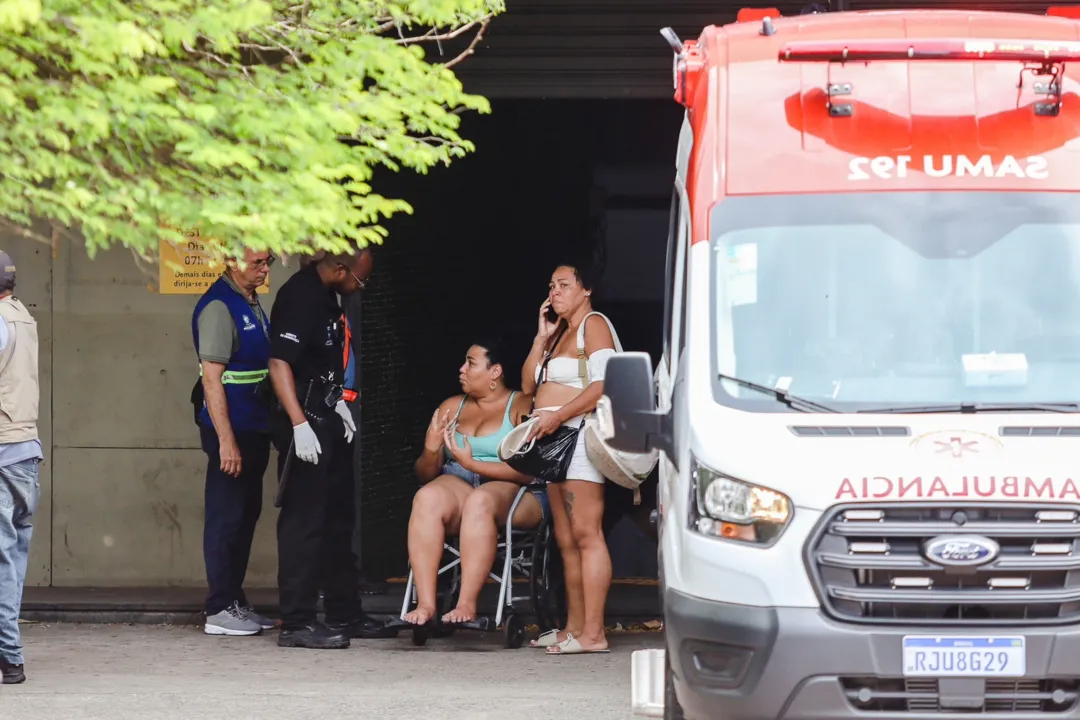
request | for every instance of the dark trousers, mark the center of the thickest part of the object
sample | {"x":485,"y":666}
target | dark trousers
{"x":233,"y":505}
{"x":315,"y":531}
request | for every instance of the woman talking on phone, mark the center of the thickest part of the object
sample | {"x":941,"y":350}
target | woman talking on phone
{"x":566,"y":387}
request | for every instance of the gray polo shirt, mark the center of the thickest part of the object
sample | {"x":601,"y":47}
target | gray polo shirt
{"x":218,"y":337}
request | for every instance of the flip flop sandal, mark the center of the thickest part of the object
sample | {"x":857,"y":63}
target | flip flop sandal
{"x":570,"y":646}
{"x":551,"y":637}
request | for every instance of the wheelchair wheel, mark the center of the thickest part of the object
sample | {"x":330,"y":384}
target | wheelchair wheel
{"x":419,"y":636}
{"x":441,"y":631}
{"x":513,"y":631}
{"x":546,"y":581}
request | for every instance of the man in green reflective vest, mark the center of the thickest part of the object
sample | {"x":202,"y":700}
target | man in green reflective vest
{"x":231,"y":334}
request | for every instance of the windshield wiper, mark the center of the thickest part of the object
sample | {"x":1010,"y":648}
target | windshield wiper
{"x":972,"y":408}
{"x":792,"y":401}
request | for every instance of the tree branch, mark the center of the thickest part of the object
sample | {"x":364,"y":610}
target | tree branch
{"x":281,"y":47}
{"x":23,"y":231}
{"x":472,"y":46}
{"x":208,"y":55}
{"x":433,"y":36}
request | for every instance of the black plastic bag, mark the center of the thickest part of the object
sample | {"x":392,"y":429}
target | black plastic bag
{"x":549,"y":458}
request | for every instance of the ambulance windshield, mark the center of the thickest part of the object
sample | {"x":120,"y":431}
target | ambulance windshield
{"x":890,"y":299}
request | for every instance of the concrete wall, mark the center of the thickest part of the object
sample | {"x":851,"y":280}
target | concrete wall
{"x":122,"y":481}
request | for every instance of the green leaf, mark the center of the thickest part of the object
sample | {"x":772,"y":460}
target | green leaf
{"x":16,"y":15}
{"x":157,"y":83}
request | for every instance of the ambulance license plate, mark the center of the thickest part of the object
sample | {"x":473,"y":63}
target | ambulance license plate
{"x":943,"y":656}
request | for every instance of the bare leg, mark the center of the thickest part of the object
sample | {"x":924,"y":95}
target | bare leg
{"x":561,"y":508}
{"x":484,"y":512}
{"x":586,"y":500}
{"x":436,"y":511}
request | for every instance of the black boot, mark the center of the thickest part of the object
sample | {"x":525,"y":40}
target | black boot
{"x":364,"y":627}
{"x":11,"y":674}
{"x":314,"y":636}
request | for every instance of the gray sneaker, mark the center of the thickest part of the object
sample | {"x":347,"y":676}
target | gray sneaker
{"x":231,"y":621}
{"x":263,"y":622}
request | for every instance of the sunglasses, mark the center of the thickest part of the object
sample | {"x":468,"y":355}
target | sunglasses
{"x":263,"y":262}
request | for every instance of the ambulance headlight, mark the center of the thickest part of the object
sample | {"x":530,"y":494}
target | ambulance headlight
{"x":727,"y":508}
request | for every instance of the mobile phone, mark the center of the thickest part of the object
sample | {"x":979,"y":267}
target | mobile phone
{"x":550,"y":315}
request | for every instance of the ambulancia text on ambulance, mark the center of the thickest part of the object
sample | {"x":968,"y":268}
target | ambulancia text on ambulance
{"x":868,"y":403}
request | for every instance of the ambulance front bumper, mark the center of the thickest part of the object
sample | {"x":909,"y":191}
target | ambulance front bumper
{"x":739,"y":662}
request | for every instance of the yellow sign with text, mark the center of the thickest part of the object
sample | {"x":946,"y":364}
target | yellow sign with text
{"x":188,"y":267}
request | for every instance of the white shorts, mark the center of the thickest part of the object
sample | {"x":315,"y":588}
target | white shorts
{"x":580,"y":467}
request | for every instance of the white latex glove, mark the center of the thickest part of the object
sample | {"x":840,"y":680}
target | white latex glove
{"x":305,"y":443}
{"x":346,"y":415}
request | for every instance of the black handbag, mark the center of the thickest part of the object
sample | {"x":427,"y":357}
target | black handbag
{"x":549,"y":457}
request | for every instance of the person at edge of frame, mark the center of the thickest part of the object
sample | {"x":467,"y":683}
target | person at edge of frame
{"x":231,"y":336}
{"x":315,"y":463}
{"x":20,"y":460}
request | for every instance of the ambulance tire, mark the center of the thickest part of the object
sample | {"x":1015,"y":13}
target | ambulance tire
{"x":672,"y":708}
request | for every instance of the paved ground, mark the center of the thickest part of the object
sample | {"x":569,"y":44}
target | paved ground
{"x":109,"y":672}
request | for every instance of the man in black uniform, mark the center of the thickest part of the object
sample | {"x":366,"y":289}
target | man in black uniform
{"x":315,"y":464}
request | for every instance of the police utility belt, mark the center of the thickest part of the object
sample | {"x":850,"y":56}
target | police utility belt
{"x":320,"y":396}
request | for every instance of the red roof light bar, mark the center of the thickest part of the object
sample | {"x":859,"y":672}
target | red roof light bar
{"x":959,"y":49}
{"x":1065,"y":11}
{"x":756,"y":14}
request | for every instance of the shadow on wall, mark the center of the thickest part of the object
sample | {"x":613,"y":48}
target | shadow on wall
{"x":476,"y":257}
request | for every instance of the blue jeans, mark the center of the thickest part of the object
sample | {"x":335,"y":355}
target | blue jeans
{"x":19,"y":492}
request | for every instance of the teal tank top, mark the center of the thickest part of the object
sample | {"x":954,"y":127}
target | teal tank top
{"x":485,"y":448}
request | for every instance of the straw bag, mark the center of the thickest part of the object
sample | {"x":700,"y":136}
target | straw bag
{"x":514,"y":443}
{"x":628,"y":470}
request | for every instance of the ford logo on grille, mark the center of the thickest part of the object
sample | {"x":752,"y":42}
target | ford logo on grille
{"x":961,"y":550}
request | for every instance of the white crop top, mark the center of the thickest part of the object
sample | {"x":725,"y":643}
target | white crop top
{"x":567,"y":370}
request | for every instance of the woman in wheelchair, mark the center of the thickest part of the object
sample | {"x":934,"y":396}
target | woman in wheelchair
{"x":467,"y":490}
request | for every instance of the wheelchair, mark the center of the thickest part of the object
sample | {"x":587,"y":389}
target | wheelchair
{"x":530,"y":555}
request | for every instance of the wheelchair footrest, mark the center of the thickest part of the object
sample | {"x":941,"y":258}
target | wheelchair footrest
{"x":480,"y":624}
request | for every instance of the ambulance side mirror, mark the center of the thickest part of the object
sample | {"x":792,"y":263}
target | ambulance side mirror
{"x":626,"y":413}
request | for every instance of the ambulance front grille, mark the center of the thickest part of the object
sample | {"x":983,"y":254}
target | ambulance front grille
{"x":868,"y":564}
{"x":924,"y":695}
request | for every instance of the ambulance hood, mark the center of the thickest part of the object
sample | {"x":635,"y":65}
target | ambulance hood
{"x":823,"y":460}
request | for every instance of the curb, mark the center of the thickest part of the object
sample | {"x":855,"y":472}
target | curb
{"x":195,"y":619}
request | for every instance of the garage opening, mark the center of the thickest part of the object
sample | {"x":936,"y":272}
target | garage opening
{"x":551,"y":179}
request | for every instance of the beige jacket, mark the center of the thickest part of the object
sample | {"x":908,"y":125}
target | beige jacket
{"x":19,"y":395}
